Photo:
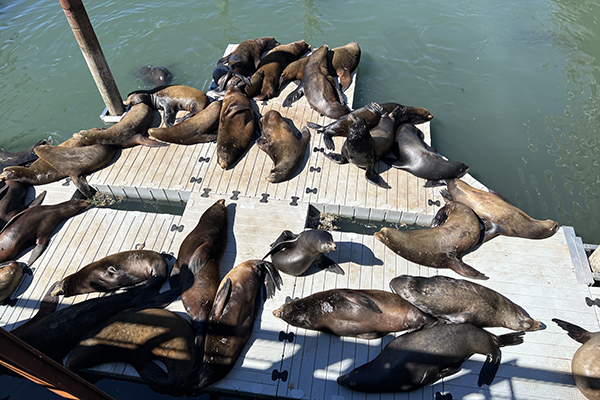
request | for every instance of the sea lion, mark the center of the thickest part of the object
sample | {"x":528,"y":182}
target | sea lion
{"x":11,"y":273}
{"x":75,"y":162}
{"x":170,"y":99}
{"x":34,"y":226}
{"x":366,"y":314}
{"x":8,"y":159}
{"x":272,"y":64}
{"x":456,"y":231}
{"x":196,"y":271}
{"x":460,"y":301}
{"x":421,"y":160}
{"x":418,"y":358}
{"x":282,"y":145}
{"x":384,"y":133}
{"x":157,"y":76}
{"x":130,"y":131}
{"x":584,"y":365}
{"x":319,"y":88}
{"x":138,"y":337}
{"x":55,"y":333}
{"x":115,"y":271}
{"x":201,"y":128}
{"x":12,"y":200}
{"x":236,"y":127}
{"x":360,"y":149}
{"x":294,"y":254}
{"x":498,"y":215}
{"x":231,"y":320}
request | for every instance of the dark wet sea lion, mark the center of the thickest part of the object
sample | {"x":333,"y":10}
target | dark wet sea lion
{"x":130,"y":131}
{"x":11,"y":273}
{"x":156,"y":76}
{"x":170,"y":99}
{"x":115,"y":271}
{"x":282,"y":145}
{"x":367,"y":314}
{"x":584,"y":366}
{"x":499,"y":216}
{"x":272,"y":64}
{"x":138,"y":337}
{"x":421,"y":160}
{"x":319,"y":88}
{"x":34,"y":226}
{"x":236,"y":127}
{"x":360,"y":149}
{"x":75,"y":162}
{"x":12,"y":200}
{"x":8,"y":159}
{"x":415,"y":359}
{"x":201,"y":128}
{"x":55,"y":333}
{"x":197,"y":268}
{"x":408,"y":114}
{"x":236,"y":306}
{"x":293,"y":254}
{"x":442,"y":246}
{"x":344,"y":60}
{"x":384,"y":133}
{"x":460,"y":301}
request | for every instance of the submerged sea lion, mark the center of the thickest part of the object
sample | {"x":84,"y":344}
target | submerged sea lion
{"x":319,"y":88}
{"x":460,"y":301}
{"x":157,"y":76}
{"x":458,"y":231}
{"x":11,"y":273}
{"x":8,"y":159}
{"x":115,"y":271}
{"x":170,"y":99}
{"x":498,"y":215}
{"x":282,"y":145}
{"x":294,"y":254}
{"x":584,"y":366}
{"x":138,"y":337}
{"x":34,"y":226}
{"x":236,"y":127}
{"x":236,"y":306}
{"x":367,"y":314}
{"x":418,"y":358}
{"x":201,"y":128}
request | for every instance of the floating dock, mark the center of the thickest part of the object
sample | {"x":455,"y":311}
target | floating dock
{"x":548,"y":277}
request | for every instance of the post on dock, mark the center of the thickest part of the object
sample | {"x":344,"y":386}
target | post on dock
{"x":92,"y":52}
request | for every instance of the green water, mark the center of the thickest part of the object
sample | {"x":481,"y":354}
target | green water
{"x":513,"y":85}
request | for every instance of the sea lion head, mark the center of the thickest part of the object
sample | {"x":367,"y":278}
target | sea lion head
{"x":134,"y":98}
{"x":324,"y":241}
{"x":295,"y":313}
{"x":418,"y":115}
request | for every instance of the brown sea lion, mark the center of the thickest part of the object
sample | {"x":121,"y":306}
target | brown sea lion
{"x":319,"y":88}
{"x":367,"y":314}
{"x":499,"y":216}
{"x":8,"y":159}
{"x":12,"y":200}
{"x":115,"y":271}
{"x":196,"y":271}
{"x":460,"y":301}
{"x":415,"y":359}
{"x":584,"y":365}
{"x":282,"y":145}
{"x":272,"y":64}
{"x":11,"y":273}
{"x":34,"y":226}
{"x":421,"y":160}
{"x":236,"y":127}
{"x":201,"y":128}
{"x":138,"y":337}
{"x":231,"y":320}
{"x":456,"y":231}
{"x":130,"y":131}
{"x":170,"y":99}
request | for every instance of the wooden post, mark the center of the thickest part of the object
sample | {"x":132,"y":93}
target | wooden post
{"x":92,"y":52}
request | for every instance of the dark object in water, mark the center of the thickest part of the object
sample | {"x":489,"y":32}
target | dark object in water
{"x":8,"y":159}
{"x":156,"y":76}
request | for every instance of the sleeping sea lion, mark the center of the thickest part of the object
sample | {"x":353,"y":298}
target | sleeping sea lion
{"x":367,"y":314}
{"x":201,"y":128}
{"x":418,"y":358}
{"x":460,"y":301}
{"x":231,"y":320}
{"x":115,"y":271}
{"x":456,"y":231}
{"x":12,"y":200}
{"x":8,"y":159}
{"x":498,"y":215}
{"x":11,"y":273}
{"x":282,"y":145}
{"x":170,"y":99}
{"x":294,"y":254}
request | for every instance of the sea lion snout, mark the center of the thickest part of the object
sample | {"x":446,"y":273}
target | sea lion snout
{"x":277,"y":313}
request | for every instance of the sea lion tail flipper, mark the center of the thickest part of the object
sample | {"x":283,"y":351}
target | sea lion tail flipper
{"x":463,"y":269}
{"x":328,"y":264}
{"x":146,"y":141}
{"x":448,"y":371}
{"x":294,"y":96}
{"x":509,"y":339}
{"x":38,"y":200}
{"x":37,"y":251}
{"x":376,"y":179}
{"x":328,"y":140}
{"x":446,"y":195}
{"x":337,"y":158}
{"x":82,"y":185}
{"x":574,"y":331}
{"x":153,"y":375}
{"x":440,"y":217}
{"x":221,"y":300}
{"x":317,"y":127}
{"x":273,"y":279}
{"x":489,"y":369}
{"x":362,"y":300}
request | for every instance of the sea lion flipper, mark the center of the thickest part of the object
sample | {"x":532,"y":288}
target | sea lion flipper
{"x":285,"y":236}
{"x":363,"y":301}
{"x":328,"y":264}
{"x":38,"y":200}
{"x":434,"y":183}
{"x":153,"y":375}
{"x":489,"y":369}
{"x":221,"y":300}
{"x":317,"y":127}
{"x":82,"y":185}
{"x":146,"y":141}
{"x":337,"y":158}
{"x":463,"y":269}
{"x":199,"y":258}
{"x":574,"y":331}
{"x":294,"y":96}
{"x":279,"y":247}
{"x":37,"y":252}
{"x":328,"y":140}
{"x":376,"y":179}
{"x":448,"y":371}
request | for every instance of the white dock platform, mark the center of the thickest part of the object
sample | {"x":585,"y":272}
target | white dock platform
{"x":539,"y":275}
